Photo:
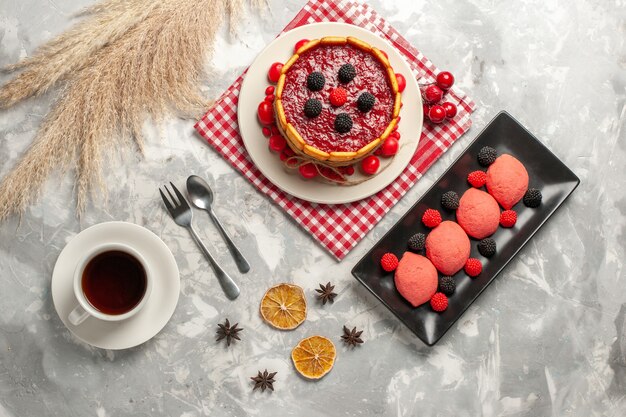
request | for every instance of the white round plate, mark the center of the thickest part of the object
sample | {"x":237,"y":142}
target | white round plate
{"x":253,"y":92}
{"x":152,"y":317}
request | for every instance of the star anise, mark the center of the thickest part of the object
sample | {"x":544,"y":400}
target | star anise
{"x":351,"y":337}
{"x":228,"y":332}
{"x":264,"y":380}
{"x":326,"y":293}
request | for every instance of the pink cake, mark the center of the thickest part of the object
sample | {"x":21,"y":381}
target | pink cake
{"x":478,"y":213}
{"x":507,"y":180}
{"x":416,"y":278}
{"x":448,"y":247}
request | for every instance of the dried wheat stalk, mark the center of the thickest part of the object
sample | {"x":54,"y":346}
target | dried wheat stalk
{"x":127,"y":60}
{"x":70,"y":51}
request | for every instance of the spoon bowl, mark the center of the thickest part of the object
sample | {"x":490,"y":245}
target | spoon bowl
{"x":201,"y":196}
{"x":200,"y":192}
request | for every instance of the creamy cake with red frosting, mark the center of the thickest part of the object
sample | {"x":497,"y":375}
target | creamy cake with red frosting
{"x":337,"y":99}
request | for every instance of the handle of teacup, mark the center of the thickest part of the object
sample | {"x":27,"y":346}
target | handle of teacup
{"x":78,"y":315}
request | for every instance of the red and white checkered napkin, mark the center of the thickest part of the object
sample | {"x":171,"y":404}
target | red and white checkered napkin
{"x":340,"y":227}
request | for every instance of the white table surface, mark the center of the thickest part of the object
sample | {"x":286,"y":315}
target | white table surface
{"x":547,"y":338}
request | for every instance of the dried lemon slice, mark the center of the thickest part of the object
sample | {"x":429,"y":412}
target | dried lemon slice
{"x":314,"y":357}
{"x":284,"y":306}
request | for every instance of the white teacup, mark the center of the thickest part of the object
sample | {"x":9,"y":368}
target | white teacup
{"x":85,"y":308}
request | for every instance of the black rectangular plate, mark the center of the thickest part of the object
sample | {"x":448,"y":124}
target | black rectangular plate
{"x":546,"y":172}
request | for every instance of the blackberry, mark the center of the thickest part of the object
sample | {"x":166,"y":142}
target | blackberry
{"x":346,"y":73}
{"x":312,"y":108}
{"x":447,"y":285}
{"x":450,"y":200}
{"x":343,"y":123}
{"x":365,"y":102}
{"x":487,"y":247}
{"x":532,"y":198}
{"x":417,"y":242}
{"x":487,"y":156}
{"x":315,"y":81}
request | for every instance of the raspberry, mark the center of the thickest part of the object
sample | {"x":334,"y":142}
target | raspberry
{"x":417,"y":241}
{"x":473,"y":267}
{"x":487,"y":156}
{"x":450,"y":200}
{"x":532,"y":198}
{"x":389,"y":262}
{"x":447,"y":285}
{"x":312,"y":108}
{"x":487,"y":247}
{"x":431,"y":218}
{"x":365,"y":102}
{"x":508,"y":218}
{"x":346,"y":73}
{"x":338,"y":97}
{"x":343,"y":123}
{"x":477,"y":178}
{"x":439,"y":302}
{"x":315,"y":81}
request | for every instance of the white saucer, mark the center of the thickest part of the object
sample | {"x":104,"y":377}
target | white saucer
{"x":253,"y":92}
{"x":152,"y":317}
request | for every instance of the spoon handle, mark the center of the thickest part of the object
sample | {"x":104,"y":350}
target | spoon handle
{"x":226,"y":282}
{"x":240,"y":260}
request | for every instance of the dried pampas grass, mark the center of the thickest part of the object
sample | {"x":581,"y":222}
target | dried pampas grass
{"x":71,"y":50}
{"x":126,"y":60}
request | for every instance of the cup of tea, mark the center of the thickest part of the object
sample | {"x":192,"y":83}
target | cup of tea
{"x":112,"y":282}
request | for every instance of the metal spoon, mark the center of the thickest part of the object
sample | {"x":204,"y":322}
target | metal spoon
{"x":201,"y":196}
